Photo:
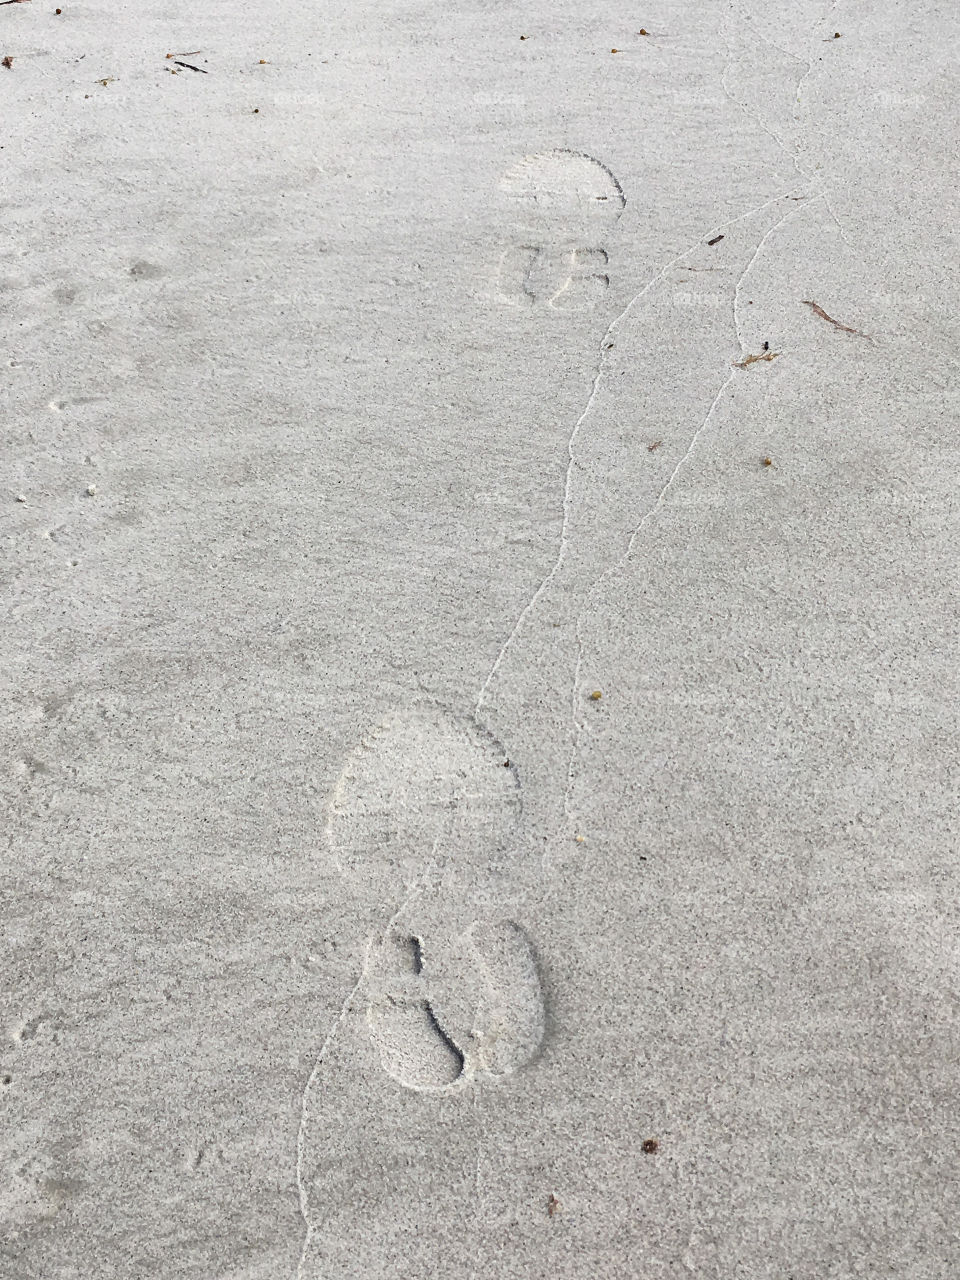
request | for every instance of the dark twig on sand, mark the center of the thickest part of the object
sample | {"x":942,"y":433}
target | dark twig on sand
{"x":845,"y":328}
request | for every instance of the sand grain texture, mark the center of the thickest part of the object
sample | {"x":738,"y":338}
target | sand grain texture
{"x":371,"y":400}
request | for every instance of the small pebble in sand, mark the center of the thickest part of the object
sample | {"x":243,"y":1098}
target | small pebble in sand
{"x":650,"y":1146}
{"x":596,"y":695}
{"x":768,"y":462}
{"x":91,"y":490}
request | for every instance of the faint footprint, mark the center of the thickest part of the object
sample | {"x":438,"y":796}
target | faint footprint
{"x":586,"y":282}
{"x":522,"y":271}
{"x":427,"y":795}
{"x":565,"y":189}
{"x":428,"y":807}
{"x":414,"y":1048}
{"x":144,"y":270}
{"x":510,"y":1018}
{"x":565,"y":204}
{"x":449,"y":1003}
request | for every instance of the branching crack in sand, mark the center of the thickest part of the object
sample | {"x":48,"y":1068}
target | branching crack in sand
{"x":575,"y":698}
{"x":575,"y":695}
{"x":311,"y":1079}
{"x":809,"y":66}
{"x":591,"y":399}
{"x":792,"y":155}
{"x":756,"y":119}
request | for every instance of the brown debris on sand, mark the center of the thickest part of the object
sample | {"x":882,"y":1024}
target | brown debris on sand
{"x":845,"y":328}
{"x":761,"y":355}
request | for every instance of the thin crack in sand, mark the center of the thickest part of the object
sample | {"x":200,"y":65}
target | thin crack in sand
{"x":578,"y":725}
{"x":575,"y":433}
{"x":325,"y":1046}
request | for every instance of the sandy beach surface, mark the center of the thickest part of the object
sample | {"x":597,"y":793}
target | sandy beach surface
{"x":480,"y":670}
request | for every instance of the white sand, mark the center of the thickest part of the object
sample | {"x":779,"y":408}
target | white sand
{"x":373,"y":397}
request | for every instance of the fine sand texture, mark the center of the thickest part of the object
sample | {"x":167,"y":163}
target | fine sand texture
{"x":481,"y":582}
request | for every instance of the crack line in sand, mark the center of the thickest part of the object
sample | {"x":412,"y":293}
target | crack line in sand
{"x":756,"y":119}
{"x":574,"y":435}
{"x":837,"y":222}
{"x":575,"y":696}
{"x":576,"y":690}
{"x":746,"y":271}
{"x":808,"y":66}
{"x":793,"y":154}
{"x":745,"y":17}
{"x":305,"y":1100}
